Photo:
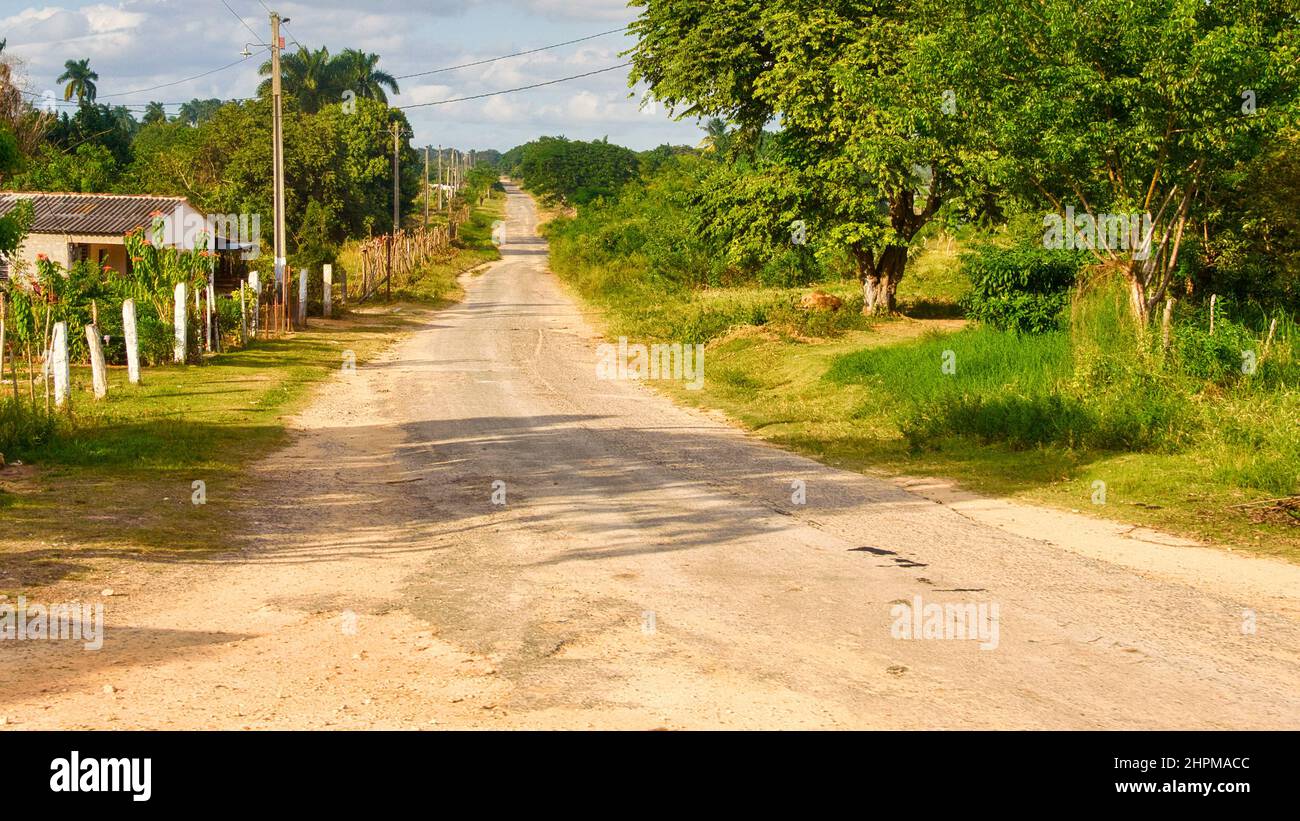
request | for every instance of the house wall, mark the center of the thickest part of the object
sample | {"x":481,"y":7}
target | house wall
{"x":56,"y":247}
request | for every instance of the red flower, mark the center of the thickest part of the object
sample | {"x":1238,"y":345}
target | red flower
{"x":42,"y":258}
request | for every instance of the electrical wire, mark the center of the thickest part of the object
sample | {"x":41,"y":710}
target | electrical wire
{"x":512,"y":90}
{"x":509,"y":56}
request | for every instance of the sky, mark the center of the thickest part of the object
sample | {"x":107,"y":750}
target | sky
{"x":139,"y":44}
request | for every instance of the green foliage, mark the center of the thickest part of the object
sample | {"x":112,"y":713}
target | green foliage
{"x":22,"y":430}
{"x":574,"y":171}
{"x":111,"y":127}
{"x":868,"y":153}
{"x":338,"y":170}
{"x":1012,"y":389}
{"x":1024,"y":288}
{"x":1250,"y":247}
{"x":314,"y":79}
{"x":88,"y":168}
{"x":1141,"y":108}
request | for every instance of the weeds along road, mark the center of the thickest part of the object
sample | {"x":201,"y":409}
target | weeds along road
{"x":648,"y":569}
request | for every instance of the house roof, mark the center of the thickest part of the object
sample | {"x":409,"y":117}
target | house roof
{"x":100,"y":214}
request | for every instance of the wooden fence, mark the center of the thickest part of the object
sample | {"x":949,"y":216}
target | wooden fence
{"x":392,"y":259}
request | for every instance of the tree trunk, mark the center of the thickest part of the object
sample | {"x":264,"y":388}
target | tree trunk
{"x":880,"y":277}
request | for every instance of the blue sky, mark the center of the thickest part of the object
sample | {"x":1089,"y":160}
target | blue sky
{"x":136,"y":44}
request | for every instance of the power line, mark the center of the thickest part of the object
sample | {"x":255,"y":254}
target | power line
{"x":186,"y":80}
{"x":508,"y":56}
{"x":241,"y":20}
{"x":145,"y":105}
{"x":512,"y":90}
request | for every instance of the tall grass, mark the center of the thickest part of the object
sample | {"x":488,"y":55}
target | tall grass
{"x":1102,"y":384}
{"x":23,"y":429}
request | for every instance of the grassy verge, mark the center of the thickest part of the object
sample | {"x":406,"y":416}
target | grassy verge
{"x":1012,"y":421}
{"x":117,"y":477}
{"x":796,"y":395}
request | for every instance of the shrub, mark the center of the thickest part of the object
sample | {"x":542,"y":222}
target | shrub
{"x":1024,"y":288}
{"x":155,"y":339}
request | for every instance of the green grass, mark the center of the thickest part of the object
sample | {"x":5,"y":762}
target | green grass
{"x":934,"y":284}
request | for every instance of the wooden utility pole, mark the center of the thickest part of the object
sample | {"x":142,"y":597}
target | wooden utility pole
{"x":277,"y":137}
{"x":426,"y":188}
{"x":397,"y":209}
{"x":440,"y":178}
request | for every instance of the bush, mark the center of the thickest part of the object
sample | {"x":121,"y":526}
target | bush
{"x":155,"y":339}
{"x":1025,"y":288}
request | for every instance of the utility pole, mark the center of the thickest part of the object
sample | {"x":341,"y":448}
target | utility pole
{"x":440,"y":178}
{"x":277,"y":136}
{"x":426,"y":188}
{"x":397,"y":209}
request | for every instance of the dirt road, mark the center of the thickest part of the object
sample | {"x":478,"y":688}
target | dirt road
{"x":649,"y":568}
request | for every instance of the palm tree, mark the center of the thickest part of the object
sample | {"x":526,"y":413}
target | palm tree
{"x":358,"y":72}
{"x":307,"y":76}
{"x":197,"y":112}
{"x":80,"y":81}
{"x":716,"y":137}
{"x":155,"y":113}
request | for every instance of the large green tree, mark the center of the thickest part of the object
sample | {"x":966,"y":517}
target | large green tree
{"x":863,"y":122}
{"x":574,"y":171}
{"x":1118,"y":108}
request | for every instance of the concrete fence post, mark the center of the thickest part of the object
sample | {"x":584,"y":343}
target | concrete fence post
{"x":132,"y":342}
{"x":98,"y":372}
{"x":302,"y":298}
{"x":59,"y":363}
{"x":327,"y":291}
{"x":255,"y":285}
{"x":179,"y":318}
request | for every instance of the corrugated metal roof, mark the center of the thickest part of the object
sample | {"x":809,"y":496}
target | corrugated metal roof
{"x":102,"y":214}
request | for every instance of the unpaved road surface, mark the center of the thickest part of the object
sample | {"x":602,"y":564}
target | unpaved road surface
{"x":648,"y":569}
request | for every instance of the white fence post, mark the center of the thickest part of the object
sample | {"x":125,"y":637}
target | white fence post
{"x":255,"y":285}
{"x":302,"y":298}
{"x":99,"y":376}
{"x":327,"y":291}
{"x":243,"y":316}
{"x":211,"y":295}
{"x":132,"y":342}
{"x":62,"y":375}
{"x":179,"y":348}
